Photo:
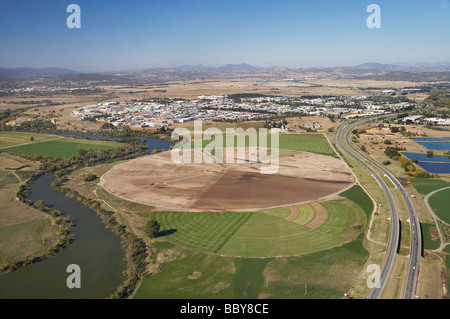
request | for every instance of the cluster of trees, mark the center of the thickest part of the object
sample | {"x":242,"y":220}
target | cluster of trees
{"x":439,"y":99}
{"x":393,"y":152}
{"x":152,"y":228}
{"x":275,"y":124}
{"x":408,"y":165}
{"x":37,"y":126}
{"x":90,"y":178}
{"x":123,"y":135}
{"x":86,"y":158}
{"x":237,"y":98}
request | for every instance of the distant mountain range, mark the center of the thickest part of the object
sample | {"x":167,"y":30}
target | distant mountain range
{"x":33,"y":72}
{"x":199,"y":72}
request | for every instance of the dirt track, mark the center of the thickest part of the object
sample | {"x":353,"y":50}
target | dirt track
{"x":156,"y":181}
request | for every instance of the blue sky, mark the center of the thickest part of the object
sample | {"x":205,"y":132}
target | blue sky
{"x":120,"y":35}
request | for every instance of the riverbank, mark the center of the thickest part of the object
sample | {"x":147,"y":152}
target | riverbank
{"x":130,"y":267}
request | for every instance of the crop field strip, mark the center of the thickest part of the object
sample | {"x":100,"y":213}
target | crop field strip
{"x":305,"y":143}
{"x":260,"y":234}
{"x":439,"y":203}
{"x":61,"y":147}
{"x":10,"y":139}
{"x":306,"y":214}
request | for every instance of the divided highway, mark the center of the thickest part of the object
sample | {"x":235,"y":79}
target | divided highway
{"x":394,"y":239}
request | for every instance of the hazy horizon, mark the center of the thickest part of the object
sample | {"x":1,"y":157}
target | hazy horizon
{"x":143,"y":34}
{"x":422,"y":63}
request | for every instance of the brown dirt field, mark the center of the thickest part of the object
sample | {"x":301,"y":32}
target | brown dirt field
{"x":157,"y":181}
{"x":434,"y":233}
{"x":432,"y":278}
{"x":14,"y":212}
{"x":294,"y":214}
{"x":320,"y":215}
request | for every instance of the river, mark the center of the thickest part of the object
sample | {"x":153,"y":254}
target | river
{"x":152,"y":143}
{"x":97,"y":250}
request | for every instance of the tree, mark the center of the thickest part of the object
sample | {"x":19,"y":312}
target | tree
{"x":32,"y":138}
{"x":90,"y":178}
{"x":107,"y":126}
{"x":152,"y":228}
{"x":5,"y":264}
{"x":40,"y":204}
{"x":395,"y":129}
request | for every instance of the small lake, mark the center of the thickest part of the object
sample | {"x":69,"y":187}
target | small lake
{"x":425,"y":158}
{"x":97,"y":250}
{"x":436,"y":168}
{"x":435,"y":146}
{"x":428,"y":139}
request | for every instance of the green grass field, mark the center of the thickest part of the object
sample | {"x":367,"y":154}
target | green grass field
{"x":261,"y":234}
{"x":306,"y":214}
{"x":62,"y":148}
{"x":428,"y":242}
{"x":8,"y":139}
{"x":439,"y":202}
{"x":244,"y":278}
{"x":313,"y":143}
{"x":359,"y":196}
{"x":428,"y":185}
{"x":33,"y":238}
{"x":23,"y":230}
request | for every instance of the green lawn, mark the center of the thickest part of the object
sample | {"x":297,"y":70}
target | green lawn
{"x":327,"y":274}
{"x":260,"y":234}
{"x":33,"y":238}
{"x":359,"y":196}
{"x":244,"y":278}
{"x":314,"y":143}
{"x":428,"y":242}
{"x":427,"y":185}
{"x":306,"y":214}
{"x":440,"y":203}
{"x":62,"y":148}
{"x":8,"y":139}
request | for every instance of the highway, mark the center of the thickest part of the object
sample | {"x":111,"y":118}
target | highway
{"x":394,"y":240}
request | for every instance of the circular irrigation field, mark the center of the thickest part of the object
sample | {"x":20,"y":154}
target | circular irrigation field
{"x":231,"y":209}
{"x":190,"y":187}
{"x":267,"y":233}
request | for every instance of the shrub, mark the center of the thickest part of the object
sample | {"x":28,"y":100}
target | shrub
{"x":152,"y":228}
{"x":90,"y":178}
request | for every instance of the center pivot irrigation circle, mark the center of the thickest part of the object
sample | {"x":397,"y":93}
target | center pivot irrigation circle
{"x":157,"y":181}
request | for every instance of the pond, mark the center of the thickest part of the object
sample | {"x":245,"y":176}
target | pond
{"x":436,"y":168}
{"x":436,"y":146}
{"x":425,"y":158}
